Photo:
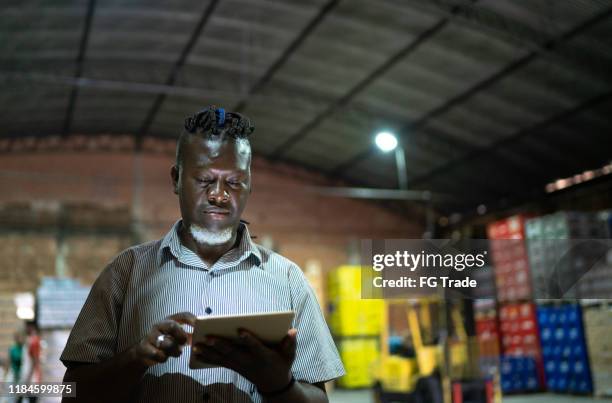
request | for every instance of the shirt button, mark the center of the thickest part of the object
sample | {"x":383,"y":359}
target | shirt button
{"x":208,"y":310}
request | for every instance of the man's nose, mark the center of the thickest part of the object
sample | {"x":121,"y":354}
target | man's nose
{"x":218,"y":194}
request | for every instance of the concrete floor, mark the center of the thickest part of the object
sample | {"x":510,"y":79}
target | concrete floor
{"x":365,"y":396}
{"x":547,"y":397}
{"x":350,"y":396}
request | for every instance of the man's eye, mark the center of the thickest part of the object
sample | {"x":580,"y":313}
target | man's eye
{"x":234,"y":183}
{"x":204,"y":181}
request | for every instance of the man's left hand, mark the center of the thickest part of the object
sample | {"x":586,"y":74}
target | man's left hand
{"x":267,"y":367}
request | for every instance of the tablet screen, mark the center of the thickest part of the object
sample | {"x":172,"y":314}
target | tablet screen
{"x":269,"y":327}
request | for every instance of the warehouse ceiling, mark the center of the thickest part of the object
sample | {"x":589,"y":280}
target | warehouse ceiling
{"x":491,"y":99}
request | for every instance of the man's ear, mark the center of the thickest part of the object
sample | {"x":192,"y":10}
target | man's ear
{"x":174,"y":174}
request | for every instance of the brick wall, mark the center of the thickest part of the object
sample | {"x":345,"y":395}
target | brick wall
{"x":302,"y":225}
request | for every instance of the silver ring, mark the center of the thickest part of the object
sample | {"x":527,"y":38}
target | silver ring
{"x":160,"y":339}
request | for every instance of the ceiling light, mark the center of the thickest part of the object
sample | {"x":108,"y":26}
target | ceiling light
{"x":386,"y":141}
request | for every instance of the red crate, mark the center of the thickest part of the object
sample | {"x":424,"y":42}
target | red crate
{"x":486,"y":325}
{"x":508,"y":228}
{"x":519,"y":332}
{"x":518,"y":319}
{"x":510,"y":258}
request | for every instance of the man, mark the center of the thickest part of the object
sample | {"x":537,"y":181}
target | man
{"x":128,"y":343}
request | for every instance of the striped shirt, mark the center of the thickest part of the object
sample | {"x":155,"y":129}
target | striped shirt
{"x":146,"y":283}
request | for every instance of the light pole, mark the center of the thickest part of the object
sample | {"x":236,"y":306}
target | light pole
{"x":387,"y":142}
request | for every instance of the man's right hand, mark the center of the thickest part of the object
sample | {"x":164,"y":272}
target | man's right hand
{"x":150,"y":351}
{"x":125,"y":370}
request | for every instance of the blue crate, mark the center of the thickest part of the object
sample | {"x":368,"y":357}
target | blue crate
{"x":532,"y":383}
{"x":579,"y":367}
{"x":579,"y":351}
{"x":553,"y":317}
{"x":575,"y":334}
{"x":562,"y":383}
{"x":564,"y":351}
{"x":507,"y":366}
{"x":519,"y":384}
{"x":574,"y":316}
{"x":562,"y":315}
{"x":518,"y":374}
{"x":551,"y":367}
{"x":547,"y":351}
{"x":580,"y":384}
{"x":584,"y":385}
{"x":559,"y":334}
{"x":543,"y":317}
{"x":564,"y":367}
{"x":546,"y":334}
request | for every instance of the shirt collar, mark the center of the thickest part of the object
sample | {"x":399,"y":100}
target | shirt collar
{"x":245,"y":248}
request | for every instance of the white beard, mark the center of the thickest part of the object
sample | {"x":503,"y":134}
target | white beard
{"x":212,"y":238}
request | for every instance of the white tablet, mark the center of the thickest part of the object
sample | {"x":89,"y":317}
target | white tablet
{"x":270,"y":327}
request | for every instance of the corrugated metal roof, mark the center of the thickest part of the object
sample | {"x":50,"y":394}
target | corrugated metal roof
{"x":498,"y":97}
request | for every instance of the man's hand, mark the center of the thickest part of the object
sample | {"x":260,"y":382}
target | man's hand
{"x":125,"y":370}
{"x":152,"y":349}
{"x":267,"y":367}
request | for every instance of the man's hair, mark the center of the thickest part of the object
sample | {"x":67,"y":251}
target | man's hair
{"x":213,"y":123}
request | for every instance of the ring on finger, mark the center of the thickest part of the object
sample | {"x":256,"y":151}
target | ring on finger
{"x":160,"y":339}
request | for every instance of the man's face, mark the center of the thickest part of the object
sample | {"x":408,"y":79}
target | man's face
{"x":213,"y":184}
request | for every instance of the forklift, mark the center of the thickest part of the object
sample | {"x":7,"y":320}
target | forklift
{"x":432,"y":367}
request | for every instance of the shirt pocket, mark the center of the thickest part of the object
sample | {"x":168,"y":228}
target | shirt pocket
{"x":248,"y":291}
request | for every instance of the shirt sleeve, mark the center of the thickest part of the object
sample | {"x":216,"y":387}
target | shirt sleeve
{"x":317,"y":358}
{"x":94,"y":336}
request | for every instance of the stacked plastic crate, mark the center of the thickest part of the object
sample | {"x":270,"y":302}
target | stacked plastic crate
{"x":563,"y":248}
{"x":519,"y":330}
{"x":487,"y":335}
{"x":518,"y":374}
{"x":355,"y":324}
{"x":597,"y":283}
{"x":560,"y":264}
{"x":539,"y":258}
{"x":522,"y":367}
{"x":564,"y":348}
{"x":597,"y":279}
{"x":59,"y":302}
{"x":509,"y":255}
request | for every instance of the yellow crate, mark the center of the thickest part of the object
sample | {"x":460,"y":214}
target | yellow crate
{"x":356,"y":317}
{"x":349,"y":314}
{"x":358,"y":356}
{"x":344,"y":283}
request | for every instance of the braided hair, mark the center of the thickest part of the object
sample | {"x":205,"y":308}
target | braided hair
{"x":214,"y":123}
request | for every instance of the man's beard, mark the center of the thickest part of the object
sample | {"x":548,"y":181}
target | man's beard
{"x":204,"y":236}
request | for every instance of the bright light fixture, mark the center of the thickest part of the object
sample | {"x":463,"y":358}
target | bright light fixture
{"x":386,"y":141}
{"x":25,"y":305}
{"x":25,"y":313}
